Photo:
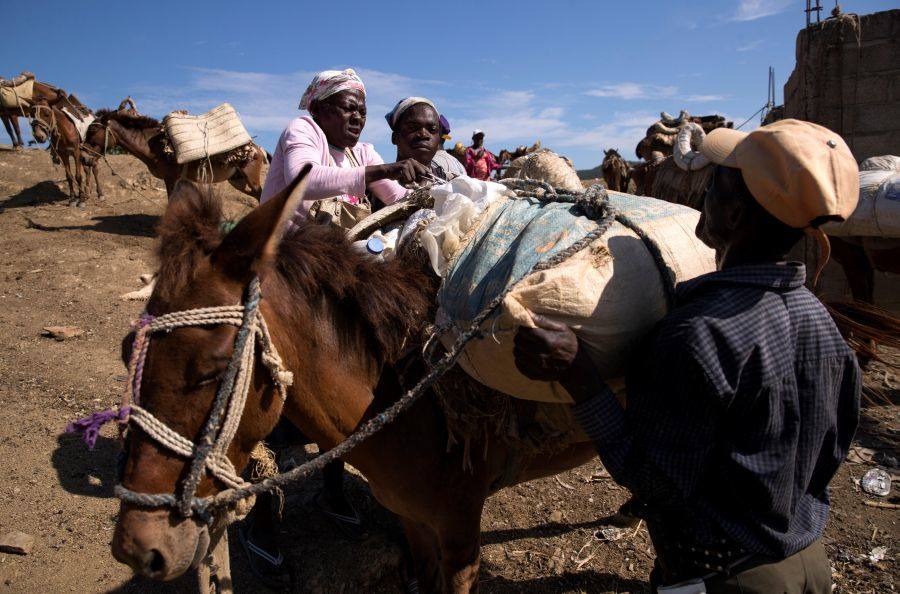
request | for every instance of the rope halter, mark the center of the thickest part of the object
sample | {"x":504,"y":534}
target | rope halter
{"x":37,"y":122}
{"x":209,"y":453}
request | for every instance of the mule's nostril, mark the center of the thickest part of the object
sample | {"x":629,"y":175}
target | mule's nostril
{"x":157,"y":562}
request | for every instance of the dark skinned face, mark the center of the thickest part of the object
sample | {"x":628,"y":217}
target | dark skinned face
{"x":418,"y":134}
{"x":723,"y":213}
{"x":478,"y":140}
{"x":342,"y":117}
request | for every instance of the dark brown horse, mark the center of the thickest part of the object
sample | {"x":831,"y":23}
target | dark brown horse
{"x":50,"y":123}
{"x":616,"y":171}
{"x":339,"y":320}
{"x":41,"y":92}
{"x":144,"y":138}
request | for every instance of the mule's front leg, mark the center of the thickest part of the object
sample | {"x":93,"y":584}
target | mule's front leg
{"x":97,"y":180}
{"x":460,"y":543}
{"x":421,"y":558}
{"x":73,"y":198}
{"x":80,"y":177}
{"x":17,"y":141}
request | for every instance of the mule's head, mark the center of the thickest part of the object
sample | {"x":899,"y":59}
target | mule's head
{"x":199,"y":267}
{"x":42,"y":121}
{"x":98,"y":139}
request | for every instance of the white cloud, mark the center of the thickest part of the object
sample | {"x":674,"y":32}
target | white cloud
{"x":632,"y":90}
{"x":705,"y":98}
{"x":750,"y":46}
{"x":552,"y":112}
{"x":750,"y":10}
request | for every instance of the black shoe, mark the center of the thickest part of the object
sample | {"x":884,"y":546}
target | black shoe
{"x":272,"y":570}
{"x":349,"y":525}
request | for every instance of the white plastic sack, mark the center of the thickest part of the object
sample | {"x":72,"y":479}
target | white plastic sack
{"x":878,"y":212}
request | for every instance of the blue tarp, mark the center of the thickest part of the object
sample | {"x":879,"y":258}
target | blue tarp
{"x":517,"y":235}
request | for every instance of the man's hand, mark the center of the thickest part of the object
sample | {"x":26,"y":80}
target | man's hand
{"x":406,"y":171}
{"x":551,"y":352}
{"x":547,"y":352}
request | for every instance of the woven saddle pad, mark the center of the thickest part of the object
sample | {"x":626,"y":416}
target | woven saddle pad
{"x":197,"y":137}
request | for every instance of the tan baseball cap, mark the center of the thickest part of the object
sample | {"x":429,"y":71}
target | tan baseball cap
{"x":798,"y":171}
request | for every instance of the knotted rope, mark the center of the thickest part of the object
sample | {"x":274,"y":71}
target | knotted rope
{"x":209,"y":454}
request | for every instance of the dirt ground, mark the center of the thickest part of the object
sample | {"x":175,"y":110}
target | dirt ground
{"x":67,"y":266}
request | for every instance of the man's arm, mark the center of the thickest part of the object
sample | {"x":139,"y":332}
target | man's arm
{"x":660,"y":446}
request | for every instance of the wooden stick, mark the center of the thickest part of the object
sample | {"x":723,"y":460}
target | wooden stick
{"x":882,"y":504}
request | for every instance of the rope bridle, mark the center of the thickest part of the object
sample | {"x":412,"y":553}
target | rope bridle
{"x":37,"y":122}
{"x":209,"y":454}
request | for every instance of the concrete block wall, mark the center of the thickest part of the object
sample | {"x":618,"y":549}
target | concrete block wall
{"x":850,"y":84}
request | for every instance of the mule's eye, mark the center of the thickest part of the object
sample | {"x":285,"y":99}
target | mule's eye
{"x":208,"y":378}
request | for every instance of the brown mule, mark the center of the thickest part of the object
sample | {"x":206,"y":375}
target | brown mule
{"x":338,"y":320}
{"x":50,"y":123}
{"x":41,"y":92}
{"x":144,"y":138}
{"x":616,"y":171}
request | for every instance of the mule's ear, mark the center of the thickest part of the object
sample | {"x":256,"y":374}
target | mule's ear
{"x":253,"y":244}
{"x":191,"y":221}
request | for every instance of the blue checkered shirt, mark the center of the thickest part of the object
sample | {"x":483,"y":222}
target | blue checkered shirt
{"x":741,"y":406}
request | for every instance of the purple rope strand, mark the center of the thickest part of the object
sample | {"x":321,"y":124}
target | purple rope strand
{"x":90,"y":425}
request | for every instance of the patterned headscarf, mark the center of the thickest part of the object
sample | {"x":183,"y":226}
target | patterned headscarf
{"x":328,"y":82}
{"x":393,"y":115}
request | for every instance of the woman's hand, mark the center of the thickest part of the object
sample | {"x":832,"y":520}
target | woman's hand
{"x":551,"y":352}
{"x":406,"y":171}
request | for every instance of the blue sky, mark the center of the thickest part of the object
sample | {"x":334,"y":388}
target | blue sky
{"x":581,"y":76}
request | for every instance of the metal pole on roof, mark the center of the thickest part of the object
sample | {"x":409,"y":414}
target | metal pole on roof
{"x":813,"y":6}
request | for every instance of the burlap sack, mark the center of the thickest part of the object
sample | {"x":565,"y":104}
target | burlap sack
{"x":610,"y":293}
{"x":17,"y":96}
{"x":545,"y":165}
{"x":338,"y":212}
{"x":877,"y":213}
{"x":198,"y":137}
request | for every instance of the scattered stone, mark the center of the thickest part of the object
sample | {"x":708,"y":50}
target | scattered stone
{"x":557,"y":562}
{"x":610,"y":534}
{"x":556,"y":516}
{"x":61,"y":333}
{"x":17,"y":543}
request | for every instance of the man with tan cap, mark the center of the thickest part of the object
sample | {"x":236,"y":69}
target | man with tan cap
{"x":743,"y":401}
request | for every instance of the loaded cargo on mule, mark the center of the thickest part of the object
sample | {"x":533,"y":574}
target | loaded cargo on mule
{"x":614,"y":264}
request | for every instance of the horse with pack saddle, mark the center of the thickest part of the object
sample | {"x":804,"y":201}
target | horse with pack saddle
{"x":209,"y":148}
{"x":18,"y":96}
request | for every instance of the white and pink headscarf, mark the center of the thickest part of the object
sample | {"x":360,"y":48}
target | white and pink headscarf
{"x":328,"y":82}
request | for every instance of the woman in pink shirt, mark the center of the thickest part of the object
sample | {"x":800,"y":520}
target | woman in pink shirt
{"x":343,"y":168}
{"x":328,"y":138}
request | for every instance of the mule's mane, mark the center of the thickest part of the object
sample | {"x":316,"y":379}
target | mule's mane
{"x":131,"y":120}
{"x":387,"y":301}
{"x":391,"y":299}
